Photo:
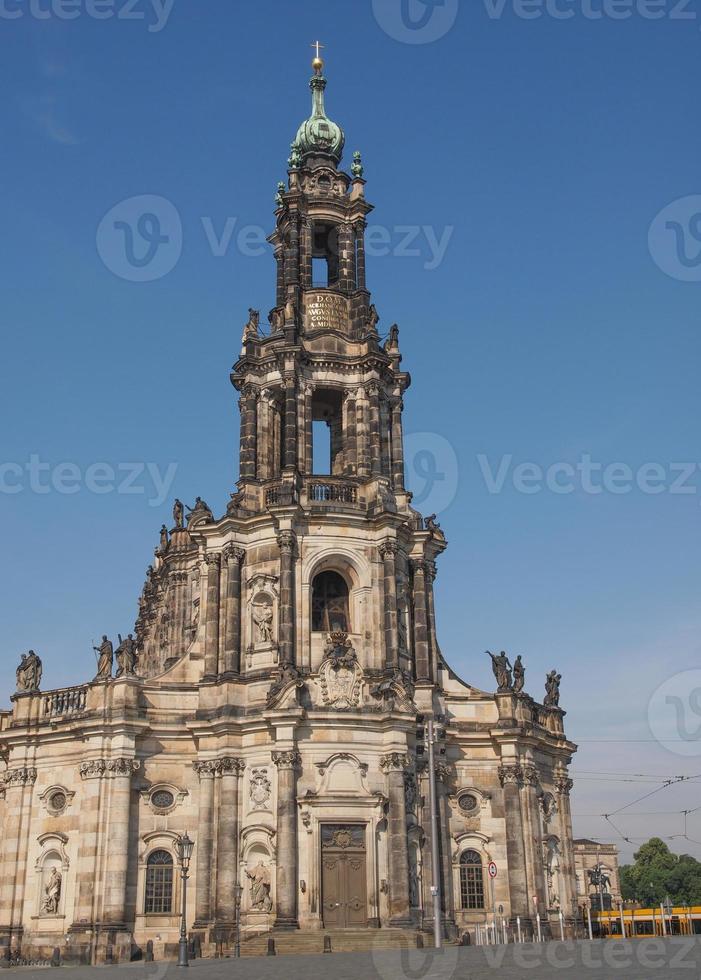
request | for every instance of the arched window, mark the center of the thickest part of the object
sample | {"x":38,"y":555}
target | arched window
{"x":330,"y":604}
{"x":471,"y":881}
{"x":159,"y":884}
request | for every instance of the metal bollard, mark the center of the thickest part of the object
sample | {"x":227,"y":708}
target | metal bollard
{"x":327,"y":944}
{"x":271,"y":947}
{"x":56,"y":957}
{"x":419,"y":940}
{"x":149,"y":951}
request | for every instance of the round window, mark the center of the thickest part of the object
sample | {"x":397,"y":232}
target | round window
{"x":57,"y":802}
{"x":163,"y":799}
{"x":468,"y":803}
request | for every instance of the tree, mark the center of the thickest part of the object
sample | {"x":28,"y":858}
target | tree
{"x":658,"y":874}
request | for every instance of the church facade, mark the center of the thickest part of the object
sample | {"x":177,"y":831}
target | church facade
{"x":273,"y":700}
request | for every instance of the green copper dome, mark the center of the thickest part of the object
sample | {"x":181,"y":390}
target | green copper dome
{"x":318,"y":134}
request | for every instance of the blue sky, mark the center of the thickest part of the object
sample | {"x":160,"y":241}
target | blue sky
{"x":553,"y":326}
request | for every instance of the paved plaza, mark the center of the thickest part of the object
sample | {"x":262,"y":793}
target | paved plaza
{"x":610,"y":960}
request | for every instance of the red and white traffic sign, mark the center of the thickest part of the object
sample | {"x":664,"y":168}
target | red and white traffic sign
{"x":492,"y":868}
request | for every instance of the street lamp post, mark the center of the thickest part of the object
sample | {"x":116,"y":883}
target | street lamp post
{"x":184,"y":848}
{"x":434,"y":737}
{"x":238,"y":892}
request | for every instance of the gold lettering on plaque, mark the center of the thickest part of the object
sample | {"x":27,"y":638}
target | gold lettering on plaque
{"x":324,"y":311}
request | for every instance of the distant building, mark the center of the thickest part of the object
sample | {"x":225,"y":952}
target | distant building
{"x":286,"y":656}
{"x":588,"y":854}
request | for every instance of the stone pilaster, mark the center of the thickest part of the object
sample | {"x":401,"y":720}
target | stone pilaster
{"x":231,"y":661}
{"x":373,"y":395}
{"x":290,"y":453}
{"x":421,"y":648}
{"x":18,"y":785}
{"x":362,"y":434}
{"x":511,"y":778}
{"x":92,"y":774}
{"x":249,"y":432}
{"x":431,"y":617}
{"x":563,"y":787}
{"x":211,"y":643}
{"x":280,"y":277}
{"x":397,"y":407}
{"x":287,"y":542}
{"x":385,"y":446}
{"x":360,"y":254}
{"x":306,"y":252}
{"x":287,"y":762}
{"x":445,"y":779}
{"x":308,"y":430}
{"x":535,"y":871}
{"x":350,"y":455}
{"x":205,"y":842}
{"x":119,"y":773}
{"x":228,"y":838}
{"x":346,"y":255}
{"x":388,"y":551}
{"x":394,"y":765}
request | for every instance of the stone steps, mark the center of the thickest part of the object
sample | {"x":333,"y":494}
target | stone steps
{"x":342,"y":941}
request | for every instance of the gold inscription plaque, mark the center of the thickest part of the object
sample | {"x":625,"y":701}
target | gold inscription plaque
{"x":326,"y":311}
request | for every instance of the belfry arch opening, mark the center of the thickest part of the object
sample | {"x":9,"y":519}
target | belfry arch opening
{"x":327,"y":433}
{"x":325,"y":267}
{"x":330,"y":603}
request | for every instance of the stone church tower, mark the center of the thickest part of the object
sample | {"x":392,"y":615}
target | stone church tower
{"x":287,"y":657}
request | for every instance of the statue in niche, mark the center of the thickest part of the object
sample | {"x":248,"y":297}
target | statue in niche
{"x":277,"y":319}
{"x":552,"y":689}
{"x":519,"y":675}
{"x":414,"y":889}
{"x":178,"y":514}
{"x":105,"y":658}
{"x":552,"y":865}
{"x":52,"y":893}
{"x":126,"y":656}
{"x":260,"y":888}
{"x":373,"y":318}
{"x":263,"y":620}
{"x":401,"y":629}
{"x":290,"y":309}
{"x":502,"y":672}
{"x":29,"y":673}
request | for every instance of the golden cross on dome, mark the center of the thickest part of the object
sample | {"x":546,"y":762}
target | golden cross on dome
{"x":319,"y":48}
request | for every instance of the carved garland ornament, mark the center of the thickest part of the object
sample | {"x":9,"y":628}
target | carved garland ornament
{"x":394,"y":762}
{"x":20,"y":777}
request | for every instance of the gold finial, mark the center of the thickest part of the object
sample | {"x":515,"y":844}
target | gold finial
{"x":318,"y":63}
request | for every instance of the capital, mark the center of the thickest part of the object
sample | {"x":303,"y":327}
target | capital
{"x":93,"y":769}
{"x":231,"y":765}
{"x":207,"y":769}
{"x":233,"y":554}
{"x":213,"y":558}
{"x":530,"y":775}
{"x":249,"y":391}
{"x":26,"y":776}
{"x":287,"y":760}
{"x":286,"y":541}
{"x":511,"y":774}
{"x":123,"y":767}
{"x":418,"y":566}
{"x":394,"y":762}
{"x":388,"y":548}
{"x":563,"y":784}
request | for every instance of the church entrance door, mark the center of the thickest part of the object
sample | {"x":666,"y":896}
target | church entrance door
{"x":344,"y":883}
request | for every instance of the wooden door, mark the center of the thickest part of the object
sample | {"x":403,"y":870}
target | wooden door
{"x":344,"y":888}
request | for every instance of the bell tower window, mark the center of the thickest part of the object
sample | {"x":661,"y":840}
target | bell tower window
{"x":327,"y":433}
{"x":325,"y":256}
{"x":330,"y":612}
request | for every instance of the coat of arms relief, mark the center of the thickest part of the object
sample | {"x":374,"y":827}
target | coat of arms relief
{"x":340,"y":674}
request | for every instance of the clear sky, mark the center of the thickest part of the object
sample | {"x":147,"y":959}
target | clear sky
{"x":548,"y":316}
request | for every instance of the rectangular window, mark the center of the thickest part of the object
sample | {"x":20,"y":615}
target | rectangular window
{"x":471,"y":888}
{"x":159,"y":890}
{"x":321,"y":436}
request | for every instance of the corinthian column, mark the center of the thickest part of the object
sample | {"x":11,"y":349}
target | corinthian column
{"x":373,"y":393}
{"x":249,"y":425}
{"x":228,"y":839}
{"x":287,"y":859}
{"x":393,"y":765}
{"x":511,"y":778}
{"x":431,"y":618}
{"x":563,"y":786}
{"x":205,"y":841}
{"x":388,"y":550}
{"x":232,"y":633}
{"x":421,"y":650}
{"x":211,"y":636}
{"x":120,"y":771}
{"x":92,"y":774}
{"x":287,"y":541}
{"x":18,"y":787}
{"x":530,"y":811}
